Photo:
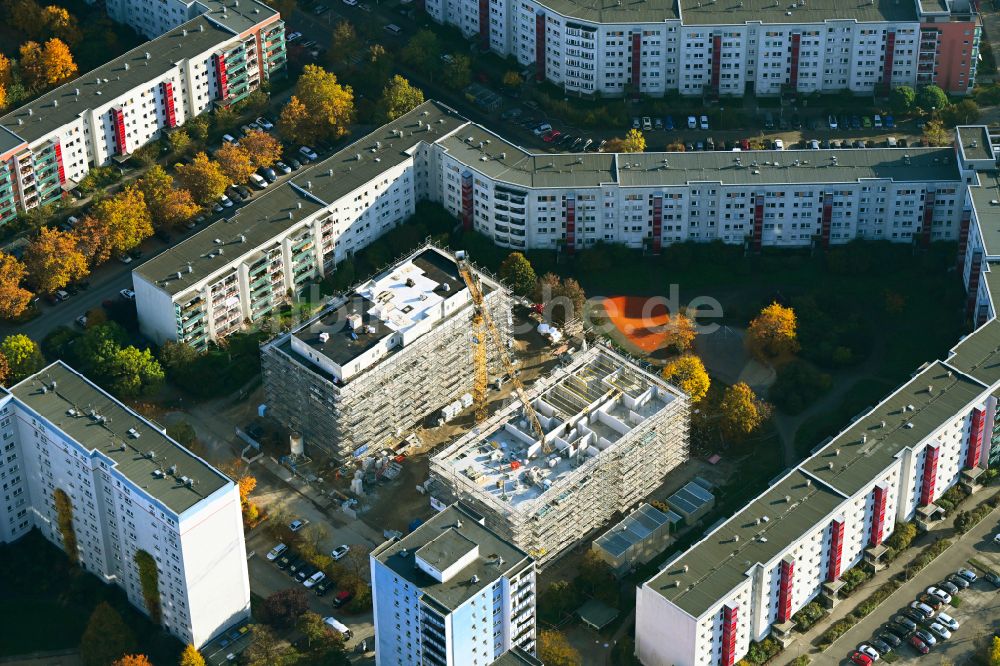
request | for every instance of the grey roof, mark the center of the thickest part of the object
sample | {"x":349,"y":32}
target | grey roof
{"x":266,"y":215}
{"x":257,"y":222}
{"x":112,"y":436}
{"x":866,"y":448}
{"x":234,"y":16}
{"x":716,"y":565}
{"x":974,"y":142}
{"x":613,"y":11}
{"x":40,"y":118}
{"x":513,"y":164}
{"x":443,"y":535}
{"x":729,"y":12}
{"x":517,"y":657}
{"x":978,"y":354}
{"x":690,"y":498}
{"x":635,"y":527}
{"x":986,"y":202}
{"x":9,"y":141}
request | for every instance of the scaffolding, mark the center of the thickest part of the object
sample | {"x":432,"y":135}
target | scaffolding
{"x":615,"y":432}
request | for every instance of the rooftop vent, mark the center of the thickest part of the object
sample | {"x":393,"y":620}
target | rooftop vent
{"x":475,"y":579}
{"x":324,"y":337}
{"x":132,"y":432}
{"x":126,"y":67}
{"x":158,"y":473}
{"x":172,"y":470}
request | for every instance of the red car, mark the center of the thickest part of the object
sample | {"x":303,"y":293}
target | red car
{"x":342,"y":598}
{"x":919,"y":644}
{"x":551,"y":136}
{"x":861,"y":659}
{"x":745,"y":144}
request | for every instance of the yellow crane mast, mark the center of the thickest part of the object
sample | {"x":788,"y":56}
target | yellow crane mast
{"x":480,"y":320}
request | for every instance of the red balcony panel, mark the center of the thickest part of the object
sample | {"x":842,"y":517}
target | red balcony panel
{"x":484,"y":24}
{"x":890,"y":47}
{"x":570,"y":225}
{"x":929,"y":481}
{"x":539,"y":47}
{"x":836,"y":549}
{"x":730,"y":624}
{"x":878,"y":515}
{"x":636,"y":62}
{"x":716,"y":61}
{"x":963,"y":238}
{"x":793,"y":77}
{"x":59,"y":163}
{"x":758,"y":220}
{"x":827,"y":220}
{"x":467,"y":201}
{"x":657,"y":223}
{"x":786,"y":586}
{"x":976,"y":429}
{"x":168,"y":103}
{"x":928,"y":220}
{"x":118,"y":121}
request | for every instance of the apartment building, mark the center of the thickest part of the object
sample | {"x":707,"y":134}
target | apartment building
{"x":153,"y":18}
{"x":612,"y":433}
{"x":698,"y":47}
{"x":398,"y":344}
{"x":453,"y":593}
{"x":131,"y":488}
{"x":237,"y":271}
{"x":218,"y":58}
{"x":749,"y":576}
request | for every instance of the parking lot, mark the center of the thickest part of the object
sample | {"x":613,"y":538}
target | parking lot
{"x":977,"y":611}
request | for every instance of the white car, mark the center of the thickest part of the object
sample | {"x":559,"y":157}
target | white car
{"x":542,"y":129}
{"x":339,"y":552}
{"x":704,"y":122}
{"x":258,"y":180}
{"x":864,"y":648}
{"x":308,"y":152}
{"x":939,"y":593}
{"x":265,"y":123}
{"x":229,"y":138}
{"x":127,"y":294}
{"x":226,"y":201}
{"x":923,"y":609}
{"x":996,"y":539}
{"x":647,"y":124}
{"x":948,"y":621}
{"x":315,"y":578}
{"x":832,"y":121}
{"x":779,"y":144}
{"x":276,"y":552}
{"x":967,"y":574}
{"x":939,"y":629}
{"x":125,"y":259}
{"x":81,"y":321}
{"x":692,"y":122}
{"x":296,"y":525}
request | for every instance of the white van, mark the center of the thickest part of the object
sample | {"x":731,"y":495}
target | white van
{"x":258,"y":181}
{"x":878,"y":121}
{"x":340,"y":627}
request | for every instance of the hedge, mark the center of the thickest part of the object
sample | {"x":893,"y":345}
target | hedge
{"x":764,"y":651}
{"x":966,"y":520}
{"x":64,"y":518}
{"x":810,"y":614}
{"x":149,"y":580}
{"x":926,"y":557}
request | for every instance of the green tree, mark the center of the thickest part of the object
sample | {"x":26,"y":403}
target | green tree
{"x":398,"y":98}
{"x":742,"y":412}
{"x":179,"y":140}
{"x":106,"y":637}
{"x":423,"y":52}
{"x":133,"y":372}
{"x":191,"y":657}
{"x":64,"y":519}
{"x":149,"y":581}
{"x":965,"y":112}
{"x":197,"y":127}
{"x":902,"y":100}
{"x":458,"y":71}
{"x":23,"y":355}
{"x":555,"y":650}
{"x":517,"y":272}
{"x":931,"y":98}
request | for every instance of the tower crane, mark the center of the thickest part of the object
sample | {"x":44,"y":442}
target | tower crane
{"x":482,"y":323}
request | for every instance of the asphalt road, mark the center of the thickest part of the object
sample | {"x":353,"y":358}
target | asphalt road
{"x":978,"y":613}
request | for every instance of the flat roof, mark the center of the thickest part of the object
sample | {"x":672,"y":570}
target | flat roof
{"x":978,"y":354}
{"x":911,"y":413}
{"x":584,"y":413}
{"x":386,"y":304}
{"x":729,"y":12}
{"x":234,"y":16}
{"x":497,"y":557}
{"x":9,"y":141}
{"x":507,"y":162}
{"x":713,"y":567}
{"x":986,"y":202}
{"x":267,"y":214}
{"x":43,"y":116}
{"x":634,"y":528}
{"x":99,"y":422}
{"x":516,"y":657}
{"x":974,"y":142}
{"x":690,"y":498}
{"x":613,"y":11}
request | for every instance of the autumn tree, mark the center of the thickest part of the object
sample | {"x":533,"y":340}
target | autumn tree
{"x":23,"y":355}
{"x":398,"y":98}
{"x":562,"y":300}
{"x":133,"y":660}
{"x":343,"y":42}
{"x":742,"y":412}
{"x":321,"y":108}
{"x":46,"y":65}
{"x":993,"y":652}
{"x":284,"y":606}
{"x":773,"y":332}
{"x":203,"y":178}
{"x":965,"y":112}
{"x":61,"y":24}
{"x":323,"y":644}
{"x":115,"y":225}
{"x":679,"y":333}
{"x":261,"y":148}
{"x":54,"y":260}
{"x":935,"y":134}
{"x":106,"y":637}
{"x":518,"y":273}
{"x":14,"y":298}
{"x":458,"y":71}
{"x":191,"y":657}
{"x":234,"y":162}
{"x":4,"y":371}
{"x":26,"y":16}
{"x":264,"y":648}
{"x":31,"y":64}
{"x":169,"y":206}
{"x":179,"y":140}
{"x":512,"y":80}
{"x":555,"y":650}
{"x":688,"y":373}
{"x":634,"y":142}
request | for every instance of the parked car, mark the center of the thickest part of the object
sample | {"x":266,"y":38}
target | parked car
{"x":647,"y":124}
{"x":870,"y":651}
{"x":692,"y":122}
{"x":314,"y":579}
{"x":658,"y":123}
{"x":923,"y":608}
{"x":704,"y":122}
{"x":542,"y":129}
{"x":285,"y":559}
{"x":81,"y":321}
{"x":587,"y":144}
{"x":305,"y":572}
{"x":276,"y":552}
{"x":993,"y":577}
{"x":265,"y":124}
{"x":258,"y":180}
{"x":319,"y":10}
{"x":890,"y":122}
{"x":926,"y":637}
{"x":881,"y":646}
{"x":292,"y":36}
{"x":878,"y":121}
{"x":282,"y":167}
{"x":905,"y":622}
{"x":710,"y":143}
{"x":890,"y":638}
{"x":244,"y":191}
{"x":342,"y":598}
{"x":996,"y":538}
{"x":339,"y":552}
{"x":551,"y":136}
{"x":636,"y":123}
{"x":939,"y":593}
{"x":921,"y":646}
{"x":948,"y":587}
{"x":668,"y":123}
{"x":295,"y":566}
{"x":930,"y":600}
{"x":958,"y":581}
{"x":294,"y":163}
{"x":939,"y":630}
{"x":229,"y":138}
{"x":268,"y":173}
{"x":296,"y":525}
{"x":861,"y":659}
{"x":779,"y":144}
{"x":339,"y":627}
{"x":813,"y":144}
{"x":323,"y":586}
{"x":308,"y":152}
{"x":967,"y":574}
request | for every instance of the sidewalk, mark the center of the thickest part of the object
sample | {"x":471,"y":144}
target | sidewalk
{"x":803,"y":643}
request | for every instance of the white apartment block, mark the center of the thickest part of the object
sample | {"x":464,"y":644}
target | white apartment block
{"x":131,"y":488}
{"x":152,"y":18}
{"x":704,"y":48}
{"x":218,"y":58}
{"x":452,"y":593}
{"x":747,"y":578}
{"x":235,"y":272}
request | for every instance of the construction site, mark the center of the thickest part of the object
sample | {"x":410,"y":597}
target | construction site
{"x":592,"y":439}
{"x":355,"y":379}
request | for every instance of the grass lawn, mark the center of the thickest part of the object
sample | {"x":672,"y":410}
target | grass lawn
{"x":31,"y":624}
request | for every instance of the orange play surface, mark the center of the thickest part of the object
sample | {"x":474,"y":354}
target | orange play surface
{"x":626,"y":313}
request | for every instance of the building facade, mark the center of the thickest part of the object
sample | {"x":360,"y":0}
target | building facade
{"x":748,"y":577}
{"x":398,"y":344}
{"x":130,"y":488}
{"x":452,"y":593}
{"x":216,"y":59}
{"x":703,"y":48}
